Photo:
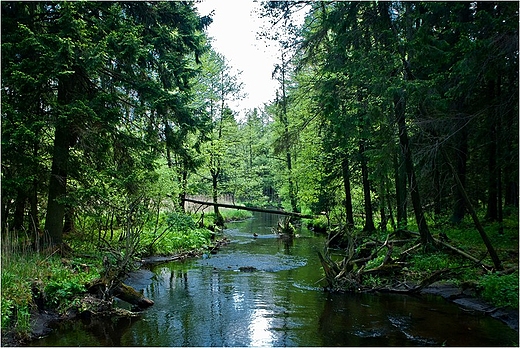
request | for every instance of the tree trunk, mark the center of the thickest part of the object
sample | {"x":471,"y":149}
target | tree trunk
{"x":492,"y":199}
{"x":68,"y":225}
{"x":261,"y":210}
{"x":437,"y":205}
{"x":461,"y":157}
{"x":510,"y":172}
{"x":219,"y":220}
{"x":68,"y":89}
{"x":34,"y":220}
{"x":285,"y":122}
{"x":182,"y":194}
{"x":399,"y":103}
{"x":492,"y":208}
{"x":57,"y":185}
{"x":19,"y":210}
{"x":369,"y":216}
{"x":346,"y":184}
{"x":6,"y":206}
{"x":132,"y":296}
{"x":400,"y":191}
{"x":382,"y":212}
{"x":292,"y":191}
{"x":389,"y":206}
{"x":478,"y":225}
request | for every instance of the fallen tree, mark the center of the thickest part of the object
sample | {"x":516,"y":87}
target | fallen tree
{"x":105,"y":291}
{"x":348,"y":273}
{"x":241,"y":207}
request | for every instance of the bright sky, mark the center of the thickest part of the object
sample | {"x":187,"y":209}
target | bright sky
{"x":234,"y":32}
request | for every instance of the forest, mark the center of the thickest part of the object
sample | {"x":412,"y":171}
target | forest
{"x":392,"y":121}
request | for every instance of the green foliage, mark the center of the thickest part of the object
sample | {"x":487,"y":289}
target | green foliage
{"x":116,"y":77}
{"x":501,"y":290}
{"x":373,"y":281}
{"x":180,"y":233}
{"x":319,"y":224}
{"x":123,"y":81}
{"x":228,"y":215}
{"x":181,"y":222}
{"x":431,"y":262}
{"x":61,"y":281}
{"x":176,"y":241}
{"x":7,"y":306}
{"x":60,"y":293}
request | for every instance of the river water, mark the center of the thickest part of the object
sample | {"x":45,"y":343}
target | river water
{"x":265,"y":291}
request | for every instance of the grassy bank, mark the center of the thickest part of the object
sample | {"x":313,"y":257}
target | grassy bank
{"x":228,"y":215}
{"x":33,"y":280}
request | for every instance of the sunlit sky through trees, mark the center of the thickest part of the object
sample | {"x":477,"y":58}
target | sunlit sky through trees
{"x":234,"y":31}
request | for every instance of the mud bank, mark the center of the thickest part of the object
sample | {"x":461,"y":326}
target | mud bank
{"x":467,"y":300}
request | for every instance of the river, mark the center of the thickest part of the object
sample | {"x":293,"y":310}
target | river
{"x":266,"y":291}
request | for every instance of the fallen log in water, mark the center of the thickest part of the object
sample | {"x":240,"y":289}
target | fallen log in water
{"x":132,"y":296}
{"x":126,"y":293}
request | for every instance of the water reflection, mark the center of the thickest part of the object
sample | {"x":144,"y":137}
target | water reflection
{"x":89,"y":331}
{"x":389,"y":320}
{"x":260,"y":328}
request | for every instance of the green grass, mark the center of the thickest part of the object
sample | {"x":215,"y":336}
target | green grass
{"x":25,"y":272}
{"x":227,"y":214}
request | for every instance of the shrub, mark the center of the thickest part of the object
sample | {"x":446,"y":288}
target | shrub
{"x":501,"y":290}
{"x":60,"y":293}
{"x":181,"y":233}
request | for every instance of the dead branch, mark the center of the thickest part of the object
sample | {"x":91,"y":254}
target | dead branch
{"x":462,"y":253}
{"x":407,"y":251}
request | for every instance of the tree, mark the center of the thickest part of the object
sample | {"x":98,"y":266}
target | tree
{"x":96,"y":87}
{"x":219,"y":86}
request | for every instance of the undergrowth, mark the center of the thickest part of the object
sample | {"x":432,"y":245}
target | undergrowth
{"x":29,"y":277}
{"x":180,"y":233}
{"x":31,"y":280}
{"x":501,"y":290}
{"x":498,"y":288}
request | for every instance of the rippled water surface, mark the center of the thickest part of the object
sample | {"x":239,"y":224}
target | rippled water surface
{"x":265,"y":291}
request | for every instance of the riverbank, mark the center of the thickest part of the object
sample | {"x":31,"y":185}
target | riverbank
{"x":463,"y":297}
{"x":44,"y":314}
{"x":43,"y":322}
{"x":459,"y":293}
{"x":179,"y":285}
{"x":468,"y":301}
{"x":41,"y":285}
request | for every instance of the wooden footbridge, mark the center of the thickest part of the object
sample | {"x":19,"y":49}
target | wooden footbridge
{"x":241,"y":207}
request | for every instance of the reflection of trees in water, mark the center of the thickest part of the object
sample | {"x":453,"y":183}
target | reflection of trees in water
{"x":182,"y":275}
{"x":288,"y":243}
{"x":108,"y":330}
{"x":345,"y":321}
{"x":397,"y":320}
